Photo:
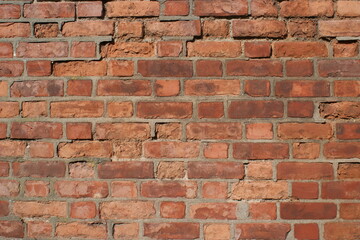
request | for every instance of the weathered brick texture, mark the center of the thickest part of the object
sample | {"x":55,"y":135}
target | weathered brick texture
{"x":180,"y":119}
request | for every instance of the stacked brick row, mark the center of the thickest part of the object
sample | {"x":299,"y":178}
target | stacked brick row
{"x":180,"y":119}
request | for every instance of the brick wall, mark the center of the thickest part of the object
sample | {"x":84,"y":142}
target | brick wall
{"x":180,"y":119}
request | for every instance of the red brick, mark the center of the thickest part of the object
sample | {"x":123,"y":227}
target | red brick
{"x":83,"y":49}
{"x":173,"y":28}
{"x":129,"y":30}
{"x":169,"y":48}
{"x":348,"y":171}
{"x":304,"y":131}
{"x":126,"y":231}
{"x":307,"y":8}
{"x":79,"y":87}
{"x":171,"y":110}
{"x":46,"y":30}
{"x":123,"y":189}
{"x":215,"y":28}
{"x":339,"y":68}
{"x":41,"y":149}
{"x":39,"y":169}
{"x":11,"y":68}
{"x":81,"y":189}
{"x":255,"y":151}
{"x":256,"y":109}
{"x":257,"y":88}
{"x":339,"y":28}
{"x":125,"y":130}
{"x":42,"y":50}
{"x":170,"y":170}
{"x":304,"y":171}
{"x":167,"y":88}
{"x":36,"y":130}
{"x":221,"y":8}
{"x":210,"y":110}
{"x":305,"y":190}
{"x":127,"y":210}
{"x":348,"y":8}
{"x":4,"y":169}
{"x":128,"y":49}
{"x":37,"y":229}
{"x":171,"y":149}
{"x":215,"y":190}
{"x":300,"y":109}
{"x":12,"y":148}
{"x":3,"y":131}
{"x":81,"y":170}
{"x":127,"y":149}
{"x":165,"y":68}
{"x":77,"y":109}
{"x":347,"y":131}
{"x":168,"y":189}
{"x":308,"y":210}
{"x":347,"y":88}
{"x":9,"y":109}
{"x":300,"y":49}
{"x":6,"y":48}
{"x":38,"y":88}
{"x":38,"y":68}
{"x":303,"y":150}
{"x":256,"y":68}
{"x":124,"y":88}
{"x":306,"y":231}
{"x":89,"y":9}
{"x":300,"y":28}
{"x":213,"y":211}
{"x":293,"y":88}
{"x":213,"y":130}
{"x":4,"y":88}
{"x":172,"y":230}
{"x":259,"y":190}
{"x":350,"y":210}
{"x":176,"y":8}
{"x":76,"y":68}
{"x":88,"y":28}
{"x":9,"y":188}
{"x":121,"y":68}
{"x":78,"y":130}
{"x":209,"y":68}
{"x":216,"y":150}
{"x":120,"y":109}
{"x":39,"y":209}
{"x":263,"y":8}
{"x":212,"y":87}
{"x":347,"y":49}
{"x":259,"y":28}
{"x":341,"y":230}
{"x":259,"y":131}
{"x":277,"y":231}
{"x":339,"y":110}
{"x":10,"y":11}
{"x":214,"y":49}
{"x":81,"y":230}
{"x":49,"y":10}
{"x":132,"y":9}
{"x":217,"y":231}
{"x":85,"y":149}
{"x":168,"y":131}
{"x":11,"y":30}
{"x":345,"y":150}
{"x":257,"y":49}
{"x":262,"y":210}
{"x":172,"y":209}
{"x":340,"y":190}
{"x":259,"y":170}
{"x":214,"y":170}
{"x":129,"y":169}
{"x":11,"y":229}
{"x":36,"y":189}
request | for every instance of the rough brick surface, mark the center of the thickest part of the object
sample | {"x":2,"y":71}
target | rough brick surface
{"x":179,"y":119}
